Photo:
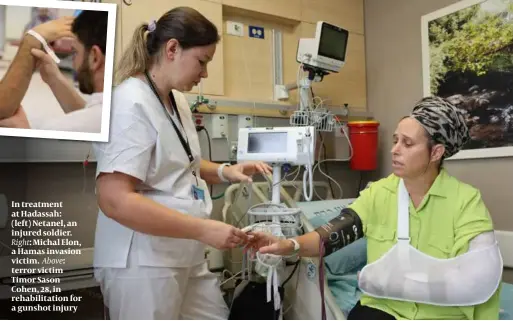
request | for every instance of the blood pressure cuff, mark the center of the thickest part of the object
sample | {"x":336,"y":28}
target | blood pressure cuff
{"x":341,"y":231}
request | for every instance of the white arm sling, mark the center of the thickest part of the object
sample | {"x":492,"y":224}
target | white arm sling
{"x":406,"y":274}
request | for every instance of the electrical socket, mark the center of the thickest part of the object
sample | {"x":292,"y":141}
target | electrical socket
{"x":245,"y":121}
{"x":235,"y":28}
{"x":219,"y":126}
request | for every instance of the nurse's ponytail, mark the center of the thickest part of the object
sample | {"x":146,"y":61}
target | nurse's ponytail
{"x":135,"y":59}
{"x":184,"y":24}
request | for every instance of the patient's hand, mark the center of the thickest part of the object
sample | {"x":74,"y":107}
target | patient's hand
{"x":48,"y":69}
{"x":18,"y":120}
{"x":269,"y":244}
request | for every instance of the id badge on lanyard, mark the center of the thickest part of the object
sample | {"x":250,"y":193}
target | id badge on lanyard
{"x":197,"y":192}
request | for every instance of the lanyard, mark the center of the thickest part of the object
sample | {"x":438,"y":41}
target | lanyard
{"x":184,"y":143}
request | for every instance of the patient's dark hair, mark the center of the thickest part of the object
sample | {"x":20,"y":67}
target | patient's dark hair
{"x":90,"y":27}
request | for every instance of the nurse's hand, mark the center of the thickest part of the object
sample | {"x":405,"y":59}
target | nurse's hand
{"x":268,"y":244}
{"x":221,"y":236}
{"x":242,"y":172}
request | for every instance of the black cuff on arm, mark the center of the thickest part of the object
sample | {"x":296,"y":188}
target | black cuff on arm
{"x":340,"y":231}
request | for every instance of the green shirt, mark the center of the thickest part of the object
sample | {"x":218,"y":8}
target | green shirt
{"x":450,"y":215}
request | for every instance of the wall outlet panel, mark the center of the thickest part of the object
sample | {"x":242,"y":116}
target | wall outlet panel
{"x":199,"y":120}
{"x":245,"y":121}
{"x":219,"y":126}
{"x":235,"y":28}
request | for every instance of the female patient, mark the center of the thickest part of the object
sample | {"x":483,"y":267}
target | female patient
{"x":431,"y":250}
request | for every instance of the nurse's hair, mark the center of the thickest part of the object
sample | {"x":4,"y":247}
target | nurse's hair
{"x":189,"y":27}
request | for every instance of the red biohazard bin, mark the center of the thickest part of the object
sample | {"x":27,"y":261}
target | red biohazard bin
{"x":364,"y":140}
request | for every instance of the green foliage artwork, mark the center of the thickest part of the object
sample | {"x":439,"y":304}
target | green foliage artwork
{"x":472,"y":39}
{"x":468,"y":59}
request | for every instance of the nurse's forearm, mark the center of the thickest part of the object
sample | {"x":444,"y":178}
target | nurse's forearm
{"x":15,"y":83}
{"x":208,"y":171}
{"x":146,"y":216}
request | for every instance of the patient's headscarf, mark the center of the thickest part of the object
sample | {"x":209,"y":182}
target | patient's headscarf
{"x":444,"y":122}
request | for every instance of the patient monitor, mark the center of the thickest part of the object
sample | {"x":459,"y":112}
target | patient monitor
{"x":327,"y":50}
{"x":318,"y":57}
{"x":277,"y":146}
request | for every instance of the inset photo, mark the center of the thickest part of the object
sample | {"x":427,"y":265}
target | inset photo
{"x":56,"y":64}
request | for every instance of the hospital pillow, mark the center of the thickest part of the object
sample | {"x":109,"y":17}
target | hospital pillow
{"x":345,"y":290}
{"x":348,"y":259}
{"x":506,"y":312}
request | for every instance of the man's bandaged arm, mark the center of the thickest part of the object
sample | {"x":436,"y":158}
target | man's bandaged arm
{"x":341,"y":231}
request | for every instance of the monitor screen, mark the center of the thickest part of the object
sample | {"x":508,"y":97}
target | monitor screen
{"x":272,"y":142}
{"x":333,"y":42}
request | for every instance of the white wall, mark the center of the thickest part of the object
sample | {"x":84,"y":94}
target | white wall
{"x":18,"y":16}
{"x":15,"y":20}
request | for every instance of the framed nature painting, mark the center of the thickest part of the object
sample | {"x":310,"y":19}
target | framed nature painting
{"x":467,"y":57}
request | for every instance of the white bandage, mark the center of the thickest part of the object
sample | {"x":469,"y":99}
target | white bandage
{"x":220,"y":172}
{"x":465,"y":280}
{"x":45,"y":45}
{"x":405,"y":273}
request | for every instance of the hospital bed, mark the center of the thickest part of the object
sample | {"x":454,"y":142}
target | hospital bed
{"x":302,"y":294}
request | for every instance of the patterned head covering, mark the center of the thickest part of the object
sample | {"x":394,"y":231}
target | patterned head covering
{"x":444,"y":122}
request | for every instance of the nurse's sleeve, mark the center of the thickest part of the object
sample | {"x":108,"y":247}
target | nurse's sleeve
{"x":131,"y":144}
{"x":348,"y":226}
